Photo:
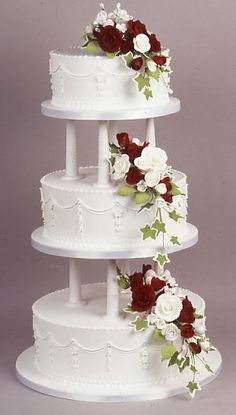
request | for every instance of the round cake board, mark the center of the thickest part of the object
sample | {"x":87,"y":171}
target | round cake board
{"x":51,"y":110}
{"x":142,"y":249}
{"x":30,"y":376}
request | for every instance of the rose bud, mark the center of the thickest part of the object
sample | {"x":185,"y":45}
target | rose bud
{"x":123,"y":139}
{"x":134,"y":176}
{"x":146,"y":268}
{"x":155,"y":44}
{"x":135,"y":27}
{"x":187,"y":312}
{"x":187,"y":331}
{"x":159,"y":60}
{"x":136,"y":63}
{"x":136,"y":281}
{"x":195,"y":348}
{"x":157,"y":284}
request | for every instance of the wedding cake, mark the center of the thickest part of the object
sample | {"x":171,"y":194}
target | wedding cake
{"x":139,"y":335}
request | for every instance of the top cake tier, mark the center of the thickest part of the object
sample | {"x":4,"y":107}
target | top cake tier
{"x":95,"y":82}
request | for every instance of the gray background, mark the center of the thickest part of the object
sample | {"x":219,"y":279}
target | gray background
{"x":200,"y":140}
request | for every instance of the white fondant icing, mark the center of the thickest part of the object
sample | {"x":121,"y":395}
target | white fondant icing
{"x":95,"y":82}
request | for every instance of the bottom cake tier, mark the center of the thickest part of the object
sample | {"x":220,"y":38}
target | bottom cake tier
{"x":79,"y":353}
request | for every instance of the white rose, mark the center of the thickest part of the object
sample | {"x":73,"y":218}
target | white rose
{"x":168,"y":307}
{"x":141,"y":186}
{"x":152,"y":178}
{"x":142,"y":43}
{"x":206,"y":345}
{"x":152,"y":158}
{"x":149,"y":275}
{"x":121,"y":166}
{"x":161,"y":188}
{"x":171,"y":332}
{"x":151,"y":65}
{"x":156,"y":321}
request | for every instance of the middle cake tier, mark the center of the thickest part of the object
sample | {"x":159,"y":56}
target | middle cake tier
{"x":80,"y":212}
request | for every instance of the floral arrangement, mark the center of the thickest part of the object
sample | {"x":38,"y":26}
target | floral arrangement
{"x":117,"y":33}
{"x":147,"y":178}
{"x":161,"y":306}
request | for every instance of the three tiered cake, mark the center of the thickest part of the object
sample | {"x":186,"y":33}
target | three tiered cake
{"x":137,"y":336}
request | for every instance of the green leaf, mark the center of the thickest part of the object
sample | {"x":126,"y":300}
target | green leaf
{"x":159,"y":226}
{"x":175,"y":216}
{"x":193,"y":369}
{"x":198,"y":316}
{"x":142,"y":82}
{"x":140,"y":324}
{"x":156,"y":75}
{"x":148,"y":93}
{"x":192,"y":388}
{"x":123,"y":282}
{"x":161,"y":259}
{"x":92,"y":47}
{"x":157,"y":335}
{"x":111,"y":55}
{"x":148,"y":232}
{"x":185,"y":364}
{"x":174,"y":359}
{"x":128,"y":58}
{"x":128,"y":309}
{"x":147,"y":206}
{"x":175,"y":191}
{"x":142,"y":198}
{"x":126,"y":190}
{"x":208,"y":368}
{"x":167,"y":351}
{"x":113,"y":148}
{"x":174,"y":240}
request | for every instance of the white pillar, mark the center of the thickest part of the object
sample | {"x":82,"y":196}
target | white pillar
{"x":75,"y":295}
{"x":113,"y":130}
{"x":150,"y":131}
{"x":71,"y":151}
{"x":103,"y":154}
{"x":112,"y":290}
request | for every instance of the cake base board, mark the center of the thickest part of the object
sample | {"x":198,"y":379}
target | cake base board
{"x":30,"y":376}
{"x":142,"y":249}
{"x":51,"y":110}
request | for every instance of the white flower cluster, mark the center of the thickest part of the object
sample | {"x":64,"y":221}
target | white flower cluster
{"x":118,"y":17}
{"x":153,"y":163}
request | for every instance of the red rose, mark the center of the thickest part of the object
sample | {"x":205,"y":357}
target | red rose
{"x":157,"y":284}
{"x":136,"y":63}
{"x":187,"y":312}
{"x":109,"y":39}
{"x":134,"y":176}
{"x":133,"y":151}
{"x":168,"y":197}
{"x":146,"y":268}
{"x":159,"y":60}
{"x":195,"y":347}
{"x":137,"y":280}
{"x":126,"y":45}
{"x":143,"y":298}
{"x":187,"y":331}
{"x":155,"y":44}
{"x":135,"y":27}
{"x":123,"y":139}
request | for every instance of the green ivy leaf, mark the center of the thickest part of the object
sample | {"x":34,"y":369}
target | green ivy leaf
{"x":92,"y":47}
{"x":193,"y":369}
{"x":126,"y":190}
{"x":192,"y":387}
{"x":198,"y":316}
{"x":148,"y":232}
{"x":161,"y":259}
{"x":175,"y":191}
{"x":113,"y":148}
{"x":159,"y":226}
{"x":128,"y":58}
{"x":208,"y":368}
{"x":157,"y":335}
{"x":142,"y":198}
{"x":148,"y":93}
{"x":111,"y":55}
{"x":174,"y":240}
{"x":147,"y":206}
{"x":174,"y":359}
{"x":123,"y":282}
{"x":128,"y":309}
{"x":186,"y":363}
{"x":175,"y":216}
{"x":156,"y":75}
{"x":142,"y":82}
{"x":167,"y":351}
{"x":140,"y":324}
